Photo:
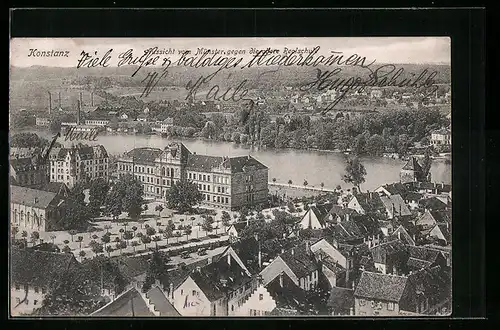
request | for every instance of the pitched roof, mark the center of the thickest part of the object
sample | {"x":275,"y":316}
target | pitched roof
{"x":38,"y":268}
{"x":431,"y":281}
{"x":299,"y":261}
{"x":59,"y":188}
{"x":432,"y":203}
{"x":234,"y":164}
{"x":370,"y":202}
{"x":131,"y":266}
{"x":341,"y":299}
{"x":84,"y":151}
{"x":418,"y":263}
{"x":128,"y":304}
{"x":413,"y":165}
{"x":396,"y":189}
{"x":161,"y":303}
{"x":248,"y":252}
{"x":442,"y":131}
{"x":423,"y":253}
{"x":144,"y":155}
{"x":23,"y":164}
{"x":289,"y":296}
{"x":396,"y":203}
{"x":380,"y":286}
{"x":32,"y":197}
{"x":387,"y":248}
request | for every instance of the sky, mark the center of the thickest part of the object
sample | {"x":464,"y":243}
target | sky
{"x":396,"y":50}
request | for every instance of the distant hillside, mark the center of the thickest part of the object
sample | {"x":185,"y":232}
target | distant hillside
{"x":29,"y":86}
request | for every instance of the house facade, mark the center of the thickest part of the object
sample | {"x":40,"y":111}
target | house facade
{"x":441,"y":137}
{"x":228,"y":183}
{"x":34,"y":210}
{"x":29,"y":171}
{"x":78,"y":164}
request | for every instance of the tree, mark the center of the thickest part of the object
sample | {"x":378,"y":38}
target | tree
{"x":187,"y":232}
{"x":290,"y":182}
{"x":125,"y":224}
{"x":134,"y":228}
{"x":97,"y":248}
{"x":375,"y":146}
{"x":66,"y":242}
{"x":76,"y":213}
{"x":107,"y":227}
{"x":82,"y":255}
{"x":72,"y":233}
{"x":150,"y":231}
{"x":52,"y":238}
{"x":133,"y":196}
{"x":98,"y":191}
{"x":322,"y":185}
{"x":35,"y":236}
{"x":134,"y":244}
{"x":207,"y":224}
{"x":305,"y":183}
{"x":80,"y":240}
{"x":66,"y":249}
{"x":109,"y":249}
{"x":159,"y":209}
{"x":121,"y":232}
{"x":157,"y":269}
{"x":145,"y":240}
{"x":226,"y":218}
{"x":183,"y":195}
{"x":427,"y":162}
{"x":354,"y":172}
{"x":15,"y":230}
{"x":114,"y":202}
{"x":156,"y":239}
{"x":106,"y":239}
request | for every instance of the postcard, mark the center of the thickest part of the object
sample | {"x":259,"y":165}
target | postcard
{"x":212,"y":177}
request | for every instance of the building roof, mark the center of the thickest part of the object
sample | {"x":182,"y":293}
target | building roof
{"x":83,"y":151}
{"x":128,"y":304}
{"x":432,"y":203}
{"x":248,"y":252}
{"x":289,"y":296}
{"x":38,"y":268}
{"x":59,"y":188}
{"x":433,"y":281}
{"x":234,"y":164}
{"x":442,"y":131}
{"x":395,"y":203}
{"x":341,"y":299}
{"x":396,"y":189}
{"x":413,"y":165}
{"x":414,"y":263}
{"x":131,"y":267}
{"x":380,"y":287}
{"x":299,"y":261}
{"x":32,"y":197}
{"x":161,"y":303}
{"x":23,"y":164}
{"x":144,"y":155}
{"x":387,"y":248}
{"x":370,"y":202}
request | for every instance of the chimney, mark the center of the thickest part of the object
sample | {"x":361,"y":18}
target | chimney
{"x":59,"y":99}
{"x":81,"y":98}
{"x":78,"y":112}
{"x":229,"y":259}
{"x":399,"y":235}
{"x":351,"y":311}
{"x":198,"y":269}
{"x":171,"y":290}
{"x":281,"y":279}
{"x":293,"y":252}
{"x":36,"y":200}
{"x":282,"y":250}
{"x":308,"y":248}
{"x":50,"y":102}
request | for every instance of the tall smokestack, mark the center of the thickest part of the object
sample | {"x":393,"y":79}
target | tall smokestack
{"x":81,"y":98}
{"x":59,"y":99}
{"x":78,"y":114}
{"x":92,"y":99}
{"x":50,"y":102}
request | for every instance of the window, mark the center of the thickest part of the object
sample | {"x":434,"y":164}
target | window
{"x":218,"y":199}
{"x":208,"y":187}
{"x":194,"y":292}
{"x":218,"y":189}
{"x":208,"y":177}
{"x":35,"y":302}
{"x":222,"y":190}
{"x":204,"y":178}
{"x":182,"y":292}
{"x":261,"y":296}
{"x":390,"y":306}
{"x":227,"y":200}
{"x":204,"y":187}
{"x":232,"y":308}
{"x":189,"y":175}
{"x":199,"y":176}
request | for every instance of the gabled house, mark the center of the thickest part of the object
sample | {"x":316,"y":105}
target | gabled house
{"x":365,"y":203}
{"x":395,"y":206}
{"x":430,"y":291}
{"x":32,"y":273}
{"x":316,"y":217}
{"x":422,"y":257}
{"x":217,"y":289}
{"x":341,"y":301}
{"x":298,"y":263}
{"x":133,"y":302}
{"x":382,"y":295}
{"x":401,"y":233}
{"x":412,"y":172}
{"x":432,"y":203}
{"x":390,"y":257}
{"x":247,"y":254}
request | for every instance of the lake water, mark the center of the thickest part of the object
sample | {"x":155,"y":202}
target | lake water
{"x":284,"y":165}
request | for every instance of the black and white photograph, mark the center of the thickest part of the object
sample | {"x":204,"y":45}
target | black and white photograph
{"x":230,"y":177}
